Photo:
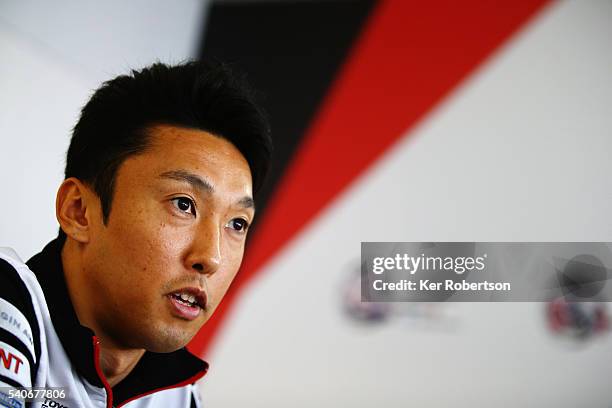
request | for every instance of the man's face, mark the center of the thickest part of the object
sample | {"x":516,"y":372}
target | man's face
{"x":177,"y":227}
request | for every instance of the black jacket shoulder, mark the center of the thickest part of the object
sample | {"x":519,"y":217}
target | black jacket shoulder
{"x":12,"y":331}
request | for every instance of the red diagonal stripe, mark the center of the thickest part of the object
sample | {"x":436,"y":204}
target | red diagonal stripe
{"x":410,"y":55}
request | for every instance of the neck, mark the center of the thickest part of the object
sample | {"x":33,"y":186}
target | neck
{"x":116,"y":361}
{"x":116,"y":364}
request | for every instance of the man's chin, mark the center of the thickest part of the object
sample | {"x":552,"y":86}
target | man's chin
{"x":169,"y":341}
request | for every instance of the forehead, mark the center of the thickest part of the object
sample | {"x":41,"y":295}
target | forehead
{"x":174,"y":148}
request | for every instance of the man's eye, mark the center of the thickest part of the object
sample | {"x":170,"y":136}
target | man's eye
{"x":184,"y":204}
{"x":238,"y":224}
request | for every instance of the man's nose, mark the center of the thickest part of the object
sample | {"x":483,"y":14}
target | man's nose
{"x":205,"y":254}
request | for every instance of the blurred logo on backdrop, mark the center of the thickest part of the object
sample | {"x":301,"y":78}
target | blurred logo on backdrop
{"x":581,"y":277}
{"x":579,"y":321}
{"x":421,"y":315}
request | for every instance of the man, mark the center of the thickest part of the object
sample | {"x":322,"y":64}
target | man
{"x":154,"y":212}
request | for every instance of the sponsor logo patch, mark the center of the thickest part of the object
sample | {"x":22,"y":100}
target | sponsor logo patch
{"x":14,"y":365}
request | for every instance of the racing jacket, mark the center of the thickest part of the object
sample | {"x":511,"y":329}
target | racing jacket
{"x":42,"y":344}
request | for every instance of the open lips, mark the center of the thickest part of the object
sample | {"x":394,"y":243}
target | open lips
{"x":190,"y":297}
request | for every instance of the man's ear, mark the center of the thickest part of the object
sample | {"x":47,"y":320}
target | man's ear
{"x":73,"y":209}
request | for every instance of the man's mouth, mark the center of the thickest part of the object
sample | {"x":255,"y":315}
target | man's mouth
{"x":188,"y":302}
{"x":185,"y":299}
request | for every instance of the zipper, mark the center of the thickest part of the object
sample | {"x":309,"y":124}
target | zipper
{"x":109,"y":390}
{"x":107,"y":387}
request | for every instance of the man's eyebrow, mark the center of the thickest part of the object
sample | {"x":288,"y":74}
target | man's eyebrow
{"x":193,"y":179}
{"x":202,"y":184}
{"x":247,"y":202}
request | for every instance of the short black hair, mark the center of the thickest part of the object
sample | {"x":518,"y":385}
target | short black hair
{"x":204,"y":95}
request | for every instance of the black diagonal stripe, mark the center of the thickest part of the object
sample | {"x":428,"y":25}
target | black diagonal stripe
{"x":10,"y":381}
{"x":14,"y":291}
{"x":291,"y":52}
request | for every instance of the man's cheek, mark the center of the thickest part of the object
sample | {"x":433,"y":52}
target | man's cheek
{"x":169,"y":240}
{"x":220,"y":282}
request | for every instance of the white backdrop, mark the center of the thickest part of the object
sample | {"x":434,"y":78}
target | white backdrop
{"x":519,"y":152}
